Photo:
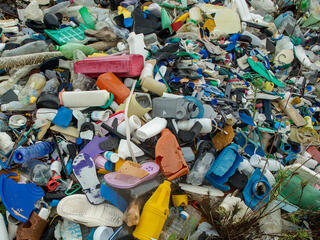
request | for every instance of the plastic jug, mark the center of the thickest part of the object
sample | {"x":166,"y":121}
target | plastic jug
{"x":113,"y":84}
{"x":154,"y":214}
{"x":122,"y":66}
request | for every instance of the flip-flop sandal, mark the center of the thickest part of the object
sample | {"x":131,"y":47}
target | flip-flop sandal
{"x":78,"y":209}
{"x":131,"y":174}
{"x":260,"y":68}
{"x":85,"y":171}
{"x":33,"y":229}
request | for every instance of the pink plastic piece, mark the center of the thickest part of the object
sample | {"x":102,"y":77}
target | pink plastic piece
{"x":122,"y":65}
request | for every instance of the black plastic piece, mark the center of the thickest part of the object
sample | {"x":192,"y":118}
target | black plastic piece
{"x":48,"y":100}
{"x":189,"y":136}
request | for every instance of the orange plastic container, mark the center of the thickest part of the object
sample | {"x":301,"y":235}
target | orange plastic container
{"x":169,"y":156}
{"x":154,"y":214}
{"x":113,"y":84}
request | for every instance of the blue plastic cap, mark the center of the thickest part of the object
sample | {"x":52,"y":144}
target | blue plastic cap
{"x":128,"y":22}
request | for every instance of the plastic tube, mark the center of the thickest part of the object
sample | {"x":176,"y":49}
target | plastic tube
{"x":188,"y":124}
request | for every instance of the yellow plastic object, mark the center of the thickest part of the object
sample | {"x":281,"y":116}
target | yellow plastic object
{"x":98,"y":55}
{"x":180,"y":200}
{"x":125,"y":12}
{"x":209,"y":24}
{"x":154,"y":214}
{"x":268,"y":86}
{"x":183,"y":17}
{"x":296,"y":100}
{"x":309,"y":122}
{"x":145,"y":8}
{"x":119,"y":164}
{"x":102,"y":171}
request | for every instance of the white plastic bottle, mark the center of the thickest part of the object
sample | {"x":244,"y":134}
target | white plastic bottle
{"x":3,"y":229}
{"x":78,"y":99}
{"x":188,"y":124}
{"x":134,"y":124}
{"x":88,"y":3}
{"x":137,"y":45}
{"x":151,"y":129}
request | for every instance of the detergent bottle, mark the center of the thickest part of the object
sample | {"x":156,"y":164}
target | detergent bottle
{"x":154,"y":214}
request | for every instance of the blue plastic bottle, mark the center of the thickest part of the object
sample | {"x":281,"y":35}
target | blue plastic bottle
{"x":37,"y":150}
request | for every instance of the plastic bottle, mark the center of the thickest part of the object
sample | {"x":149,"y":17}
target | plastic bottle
{"x":120,"y":32}
{"x":17,"y":107}
{"x":68,"y":49}
{"x":37,"y":171}
{"x":134,"y":124}
{"x":175,"y":224}
{"x":32,"y":89}
{"x":154,"y":214}
{"x":123,"y":65}
{"x":77,"y":99}
{"x":57,"y":8}
{"x":32,"y":47}
{"x":3,"y":229}
{"x":88,"y":3}
{"x":200,"y":168}
{"x":113,"y":84}
{"x":37,"y":150}
{"x":137,"y":45}
{"x":152,"y":128}
{"x":188,"y":124}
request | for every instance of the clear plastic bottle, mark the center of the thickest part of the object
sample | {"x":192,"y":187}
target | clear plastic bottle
{"x":37,"y":171}
{"x":68,"y":49}
{"x":32,"y":89}
{"x":88,"y":3}
{"x":200,"y":168}
{"x":120,"y":32}
{"x":17,"y":107}
{"x":32,"y":47}
{"x":57,"y":8}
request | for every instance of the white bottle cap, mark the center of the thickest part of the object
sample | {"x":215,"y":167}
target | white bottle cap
{"x":102,"y":233}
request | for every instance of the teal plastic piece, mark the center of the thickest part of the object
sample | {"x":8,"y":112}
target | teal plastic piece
{"x":86,"y":17}
{"x":65,"y":35}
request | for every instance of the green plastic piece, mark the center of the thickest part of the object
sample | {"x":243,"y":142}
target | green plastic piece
{"x":65,"y":35}
{"x":165,"y":20}
{"x":214,"y":83}
{"x":259,"y":68}
{"x":296,"y":40}
{"x":108,"y":103}
{"x":194,"y":56}
{"x":86,"y":17}
{"x":171,"y":6}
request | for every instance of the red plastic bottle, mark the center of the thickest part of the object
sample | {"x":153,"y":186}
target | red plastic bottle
{"x":122,"y":65}
{"x":110,"y":82}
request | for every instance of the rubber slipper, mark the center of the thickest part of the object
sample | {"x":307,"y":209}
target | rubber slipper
{"x":130,"y":175}
{"x":78,"y":209}
{"x":85,"y":171}
{"x":260,"y":68}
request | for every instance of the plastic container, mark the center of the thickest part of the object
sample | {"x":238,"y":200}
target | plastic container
{"x":37,"y":150}
{"x":68,"y":49}
{"x":32,"y":47}
{"x":134,"y":124}
{"x":200,"y":168}
{"x":120,"y":32}
{"x":122,"y":66}
{"x":154,"y":214}
{"x":3,"y":229}
{"x":37,"y":171}
{"x":57,"y":8}
{"x":77,"y":99}
{"x":17,"y":107}
{"x":32,"y":89}
{"x":113,"y":84}
{"x":137,"y":45}
{"x":151,"y":129}
{"x":188,"y":124}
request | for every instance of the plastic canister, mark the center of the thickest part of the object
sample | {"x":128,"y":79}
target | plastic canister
{"x":113,"y":84}
{"x":154,"y":214}
{"x":122,"y":66}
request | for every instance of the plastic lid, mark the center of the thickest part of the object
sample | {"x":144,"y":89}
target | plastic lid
{"x":44,"y":213}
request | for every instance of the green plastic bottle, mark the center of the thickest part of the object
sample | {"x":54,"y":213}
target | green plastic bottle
{"x":306,"y":197}
{"x":68,"y":49}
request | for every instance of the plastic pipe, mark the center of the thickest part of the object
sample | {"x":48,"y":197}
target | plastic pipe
{"x":188,"y":124}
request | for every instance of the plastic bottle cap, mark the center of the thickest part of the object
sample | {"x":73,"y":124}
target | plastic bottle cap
{"x":44,"y":213}
{"x":184,"y":215}
{"x":102,"y":233}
